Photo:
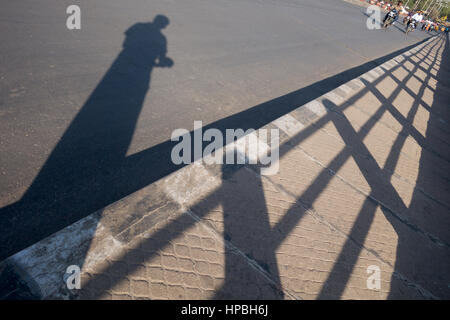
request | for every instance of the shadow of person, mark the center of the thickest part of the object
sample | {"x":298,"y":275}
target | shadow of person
{"x":81,"y":174}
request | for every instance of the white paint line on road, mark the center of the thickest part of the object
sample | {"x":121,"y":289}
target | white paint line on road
{"x":45,"y":262}
{"x":317,"y":107}
{"x":289,"y":125}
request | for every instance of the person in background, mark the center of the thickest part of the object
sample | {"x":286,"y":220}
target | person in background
{"x":418,"y":17}
{"x":424,"y":23}
{"x":398,"y":7}
{"x":408,"y":17}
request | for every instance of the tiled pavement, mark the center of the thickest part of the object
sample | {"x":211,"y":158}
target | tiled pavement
{"x":363,"y":181}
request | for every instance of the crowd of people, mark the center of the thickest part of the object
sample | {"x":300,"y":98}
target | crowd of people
{"x":420,"y":18}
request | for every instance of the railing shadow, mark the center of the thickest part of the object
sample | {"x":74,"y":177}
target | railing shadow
{"x":251,"y":235}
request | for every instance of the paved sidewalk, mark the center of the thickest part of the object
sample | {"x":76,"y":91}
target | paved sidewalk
{"x":363,"y":181}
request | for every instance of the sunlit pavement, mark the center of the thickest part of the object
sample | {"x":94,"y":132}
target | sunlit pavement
{"x":363,"y":185}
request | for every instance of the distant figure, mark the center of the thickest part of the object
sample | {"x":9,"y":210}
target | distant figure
{"x":397,"y":8}
{"x":418,"y":17}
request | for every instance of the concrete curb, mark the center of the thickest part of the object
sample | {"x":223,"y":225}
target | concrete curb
{"x":89,"y":241}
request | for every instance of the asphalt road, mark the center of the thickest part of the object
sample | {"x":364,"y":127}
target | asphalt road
{"x":85,"y":115}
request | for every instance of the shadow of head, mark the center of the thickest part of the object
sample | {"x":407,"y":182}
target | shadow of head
{"x":161,"y":21}
{"x":146,"y":44}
